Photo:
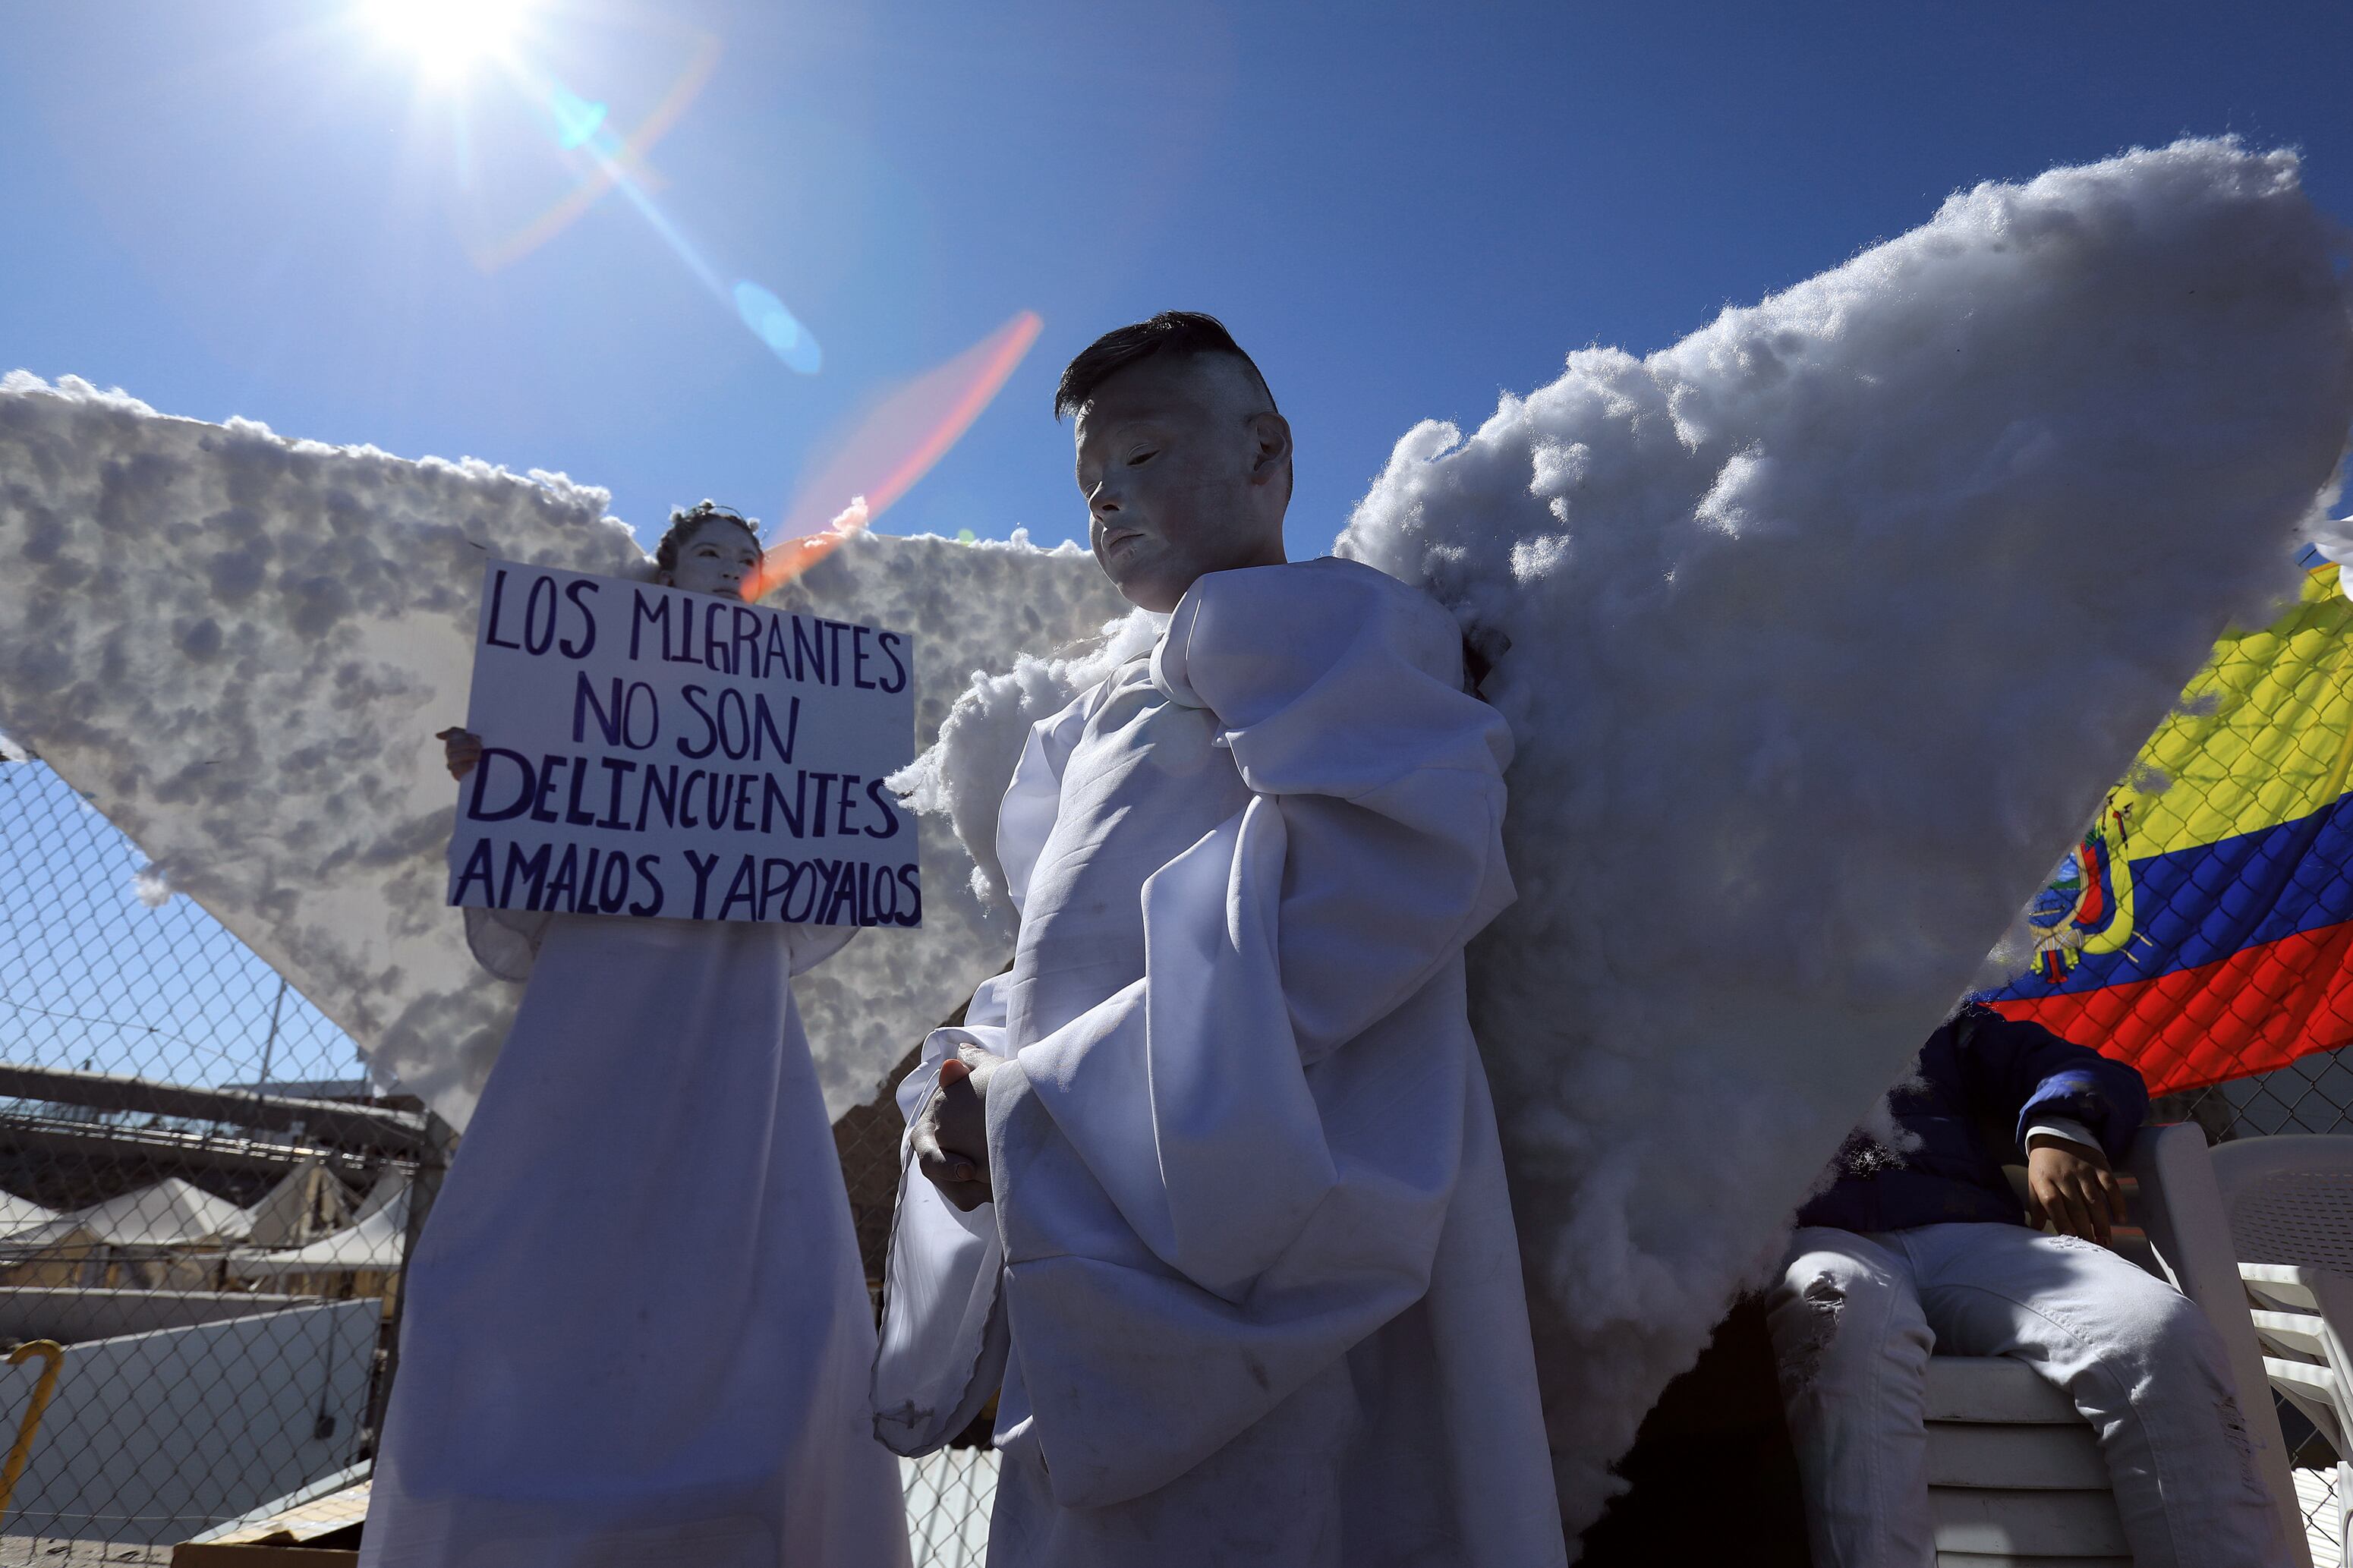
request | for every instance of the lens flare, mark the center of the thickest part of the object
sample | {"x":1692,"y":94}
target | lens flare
{"x":910,"y":430}
{"x":891,"y":447}
{"x":787,"y":558}
{"x":579,"y":127}
{"x":577,"y":120}
{"x":777,"y":327}
{"x":625,"y":156}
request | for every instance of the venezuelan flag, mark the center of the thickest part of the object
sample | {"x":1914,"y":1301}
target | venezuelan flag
{"x":2202,"y":928}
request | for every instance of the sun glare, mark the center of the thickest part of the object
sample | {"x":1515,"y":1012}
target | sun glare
{"x":447,"y":38}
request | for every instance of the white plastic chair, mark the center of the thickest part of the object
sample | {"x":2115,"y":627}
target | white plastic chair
{"x":2288,"y":1200}
{"x":2190,"y":1228}
{"x":2015,"y":1474}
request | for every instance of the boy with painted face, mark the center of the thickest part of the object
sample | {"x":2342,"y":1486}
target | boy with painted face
{"x":1209,"y":1183}
{"x":657,"y":1360}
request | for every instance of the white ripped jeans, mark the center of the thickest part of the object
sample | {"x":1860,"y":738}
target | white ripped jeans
{"x":1855,"y":1317}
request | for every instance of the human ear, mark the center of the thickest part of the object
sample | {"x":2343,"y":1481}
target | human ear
{"x":1271,"y":446}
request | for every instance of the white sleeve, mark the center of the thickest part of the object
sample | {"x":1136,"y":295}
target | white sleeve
{"x":943,"y":1343}
{"x":944,"y":1340}
{"x":2068,"y":1131}
{"x":812,"y":945}
{"x":506,"y":941}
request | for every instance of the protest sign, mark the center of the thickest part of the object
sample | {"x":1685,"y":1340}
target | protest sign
{"x":650,"y":751}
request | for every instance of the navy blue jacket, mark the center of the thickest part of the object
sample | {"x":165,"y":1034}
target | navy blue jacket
{"x":1982,"y":1082}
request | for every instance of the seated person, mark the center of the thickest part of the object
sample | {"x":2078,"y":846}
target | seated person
{"x":1919,"y":1249}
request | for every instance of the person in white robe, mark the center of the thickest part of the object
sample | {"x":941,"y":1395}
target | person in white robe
{"x":1206,"y":1188}
{"x":637,"y":1330}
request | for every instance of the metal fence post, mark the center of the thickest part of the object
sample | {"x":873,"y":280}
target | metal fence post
{"x":432,"y":1164}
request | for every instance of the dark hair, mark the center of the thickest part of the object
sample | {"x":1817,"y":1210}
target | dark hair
{"x":684,"y":520}
{"x":1186,"y":333}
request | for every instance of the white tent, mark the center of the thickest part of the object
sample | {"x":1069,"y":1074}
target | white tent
{"x":373,"y":1243}
{"x":307,"y":1204}
{"x":390,"y":1188}
{"x":21,"y":1214}
{"x":172,"y":1213}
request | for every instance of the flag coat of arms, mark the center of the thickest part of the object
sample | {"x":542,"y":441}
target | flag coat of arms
{"x":2202,"y":928}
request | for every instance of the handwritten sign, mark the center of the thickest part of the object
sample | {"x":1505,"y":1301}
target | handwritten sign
{"x":651,"y":752}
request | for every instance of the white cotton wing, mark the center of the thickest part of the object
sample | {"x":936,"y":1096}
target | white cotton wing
{"x":1821,"y":633}
{"x":238,"y":646}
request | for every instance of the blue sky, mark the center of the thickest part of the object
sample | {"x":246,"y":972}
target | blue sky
{"x":259,"y":210}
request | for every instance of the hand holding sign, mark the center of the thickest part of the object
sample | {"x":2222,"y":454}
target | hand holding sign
{"x":461,"y":749}
{"x":642,"y":750}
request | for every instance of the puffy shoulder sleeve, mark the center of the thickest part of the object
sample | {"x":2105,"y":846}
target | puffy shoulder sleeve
{"x":1339,"y":691}
{"x":1329,"y":678}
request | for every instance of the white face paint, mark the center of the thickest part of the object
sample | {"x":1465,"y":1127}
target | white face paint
{"x":1185,"y":471}
{"x":714,"y":559}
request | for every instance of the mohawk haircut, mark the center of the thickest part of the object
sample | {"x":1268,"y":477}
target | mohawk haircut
{"x":1187,"y":334}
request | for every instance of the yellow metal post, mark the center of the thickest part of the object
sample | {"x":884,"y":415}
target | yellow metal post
{"x":55,"y":1354}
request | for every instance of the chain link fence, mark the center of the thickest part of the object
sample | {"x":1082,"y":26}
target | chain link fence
{"x":175,"y":1124}
{"x":205,"y":1204}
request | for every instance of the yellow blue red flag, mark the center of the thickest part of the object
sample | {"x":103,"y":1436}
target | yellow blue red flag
{"x":2201,"y":928}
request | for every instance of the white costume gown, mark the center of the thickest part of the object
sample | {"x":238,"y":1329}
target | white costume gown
{"x":1250,"y":1280}
{"x":636,"y":1331}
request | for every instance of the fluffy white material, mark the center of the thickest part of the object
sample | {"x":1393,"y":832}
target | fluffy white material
{"x":963,"y":775}
{"x":1821,"y":633}
{"x":238,"y":648}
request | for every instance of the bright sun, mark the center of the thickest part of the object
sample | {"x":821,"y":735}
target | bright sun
{"x":448,"y":38}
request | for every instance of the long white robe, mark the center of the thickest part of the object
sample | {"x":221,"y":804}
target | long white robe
{"x":636,"y":1329}
{"x":1249,"y":1277}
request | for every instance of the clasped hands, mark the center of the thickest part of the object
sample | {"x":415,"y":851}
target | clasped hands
{"x":950,"y":1137}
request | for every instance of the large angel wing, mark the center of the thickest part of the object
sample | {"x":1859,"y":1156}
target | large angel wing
{"x":1821,"y":632}
{"x":237,"y":646}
